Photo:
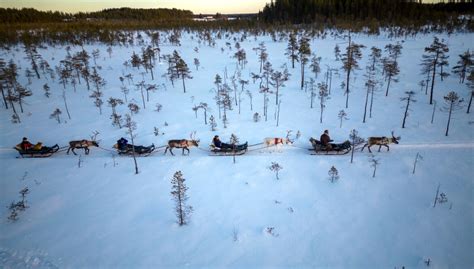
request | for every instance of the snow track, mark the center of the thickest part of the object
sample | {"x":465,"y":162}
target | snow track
{"x":265,"y":151}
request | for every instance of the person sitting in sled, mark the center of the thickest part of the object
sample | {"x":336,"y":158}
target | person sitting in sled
{"x":38,"y":146}
{"x":218,"y":143}
{"x":25,"y":144}
{"x":325,"y":140}
{"x":122,"y":143}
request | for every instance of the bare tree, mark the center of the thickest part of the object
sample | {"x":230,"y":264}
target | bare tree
{"x":417,"y":158}
{"x":179,"y":193}
{"x":374,"y":163}
{"x":275,"y":167}
{"x":409,"y":99}
{"x":65,"y":104}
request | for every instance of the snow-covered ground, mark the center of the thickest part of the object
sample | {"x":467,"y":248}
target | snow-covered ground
{"x":102,"y":215}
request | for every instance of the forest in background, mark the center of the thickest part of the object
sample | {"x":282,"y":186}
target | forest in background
{"x":28,"y":25}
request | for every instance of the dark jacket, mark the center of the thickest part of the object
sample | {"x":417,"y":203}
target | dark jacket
{"x":122,"y":143}
{"x":217,"y":142}
{"x":325,"y":139}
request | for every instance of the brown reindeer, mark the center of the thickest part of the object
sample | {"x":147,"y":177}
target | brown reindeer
{"x":185,"y":144}
{"x":381,"y":141}
{"x":81,"y":144}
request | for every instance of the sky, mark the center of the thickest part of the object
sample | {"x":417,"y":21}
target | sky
{"x":196,"y":6}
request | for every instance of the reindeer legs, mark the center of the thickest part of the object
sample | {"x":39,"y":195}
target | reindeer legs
{"x":185,"y":148}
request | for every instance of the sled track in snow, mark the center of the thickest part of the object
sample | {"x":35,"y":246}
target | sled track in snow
{"x":261,"y":151}
{"x":435,"y":145}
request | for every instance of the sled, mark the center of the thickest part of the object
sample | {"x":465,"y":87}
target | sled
{"x":42,"y":153}
{"x":139,"y":150}
{"x":336,"y":148}
{"x":237,"y":150}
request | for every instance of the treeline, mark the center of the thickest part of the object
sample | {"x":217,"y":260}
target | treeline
{"x":384,"y":12}
{"x":30,"y":15}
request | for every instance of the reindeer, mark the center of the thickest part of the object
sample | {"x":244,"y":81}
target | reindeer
{"x":277,"y":141}
{"x":381,"y":141}
{"x":81,"y":144}
{"x":185,"y":144}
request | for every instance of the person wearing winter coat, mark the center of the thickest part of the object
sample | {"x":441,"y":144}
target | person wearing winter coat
{"x":218,"y":144}
{"x":38,"y":146}
{"x":25,"y":144}
{"x":122,"y":143}
{"x":325,"y":140}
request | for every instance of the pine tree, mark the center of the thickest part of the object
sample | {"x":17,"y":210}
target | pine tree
{"x":304,"y":51}
{"x":333,"y":174}
{"x":350,"y":62}
{"x":34,"y":57}
{"x":355,"y":141}
{"x":212,"y":123}
{"x":131,"y":127}
{"x":55,"y":115}
{"x":241,"y":57}
{"x":465,"y":63}
{"x":342,"y":116}
{"x":315,"y":66}
{"x":234,"y":140}
{"x":435,"y":57}
{"x":391,"y":70}
{"x":180,"y":197}
{"x":182,"y":69}
{"x":323,"y":97}
{"x":292,"y":49}
{"x":46,"y":89}
{"x":262,"y":54}
{"x":470,"y":85}
{"x":278,"y":80}
{"x":452,"y":104}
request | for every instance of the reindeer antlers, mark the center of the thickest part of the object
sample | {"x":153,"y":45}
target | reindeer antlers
{"x":94,"y":135}
{"x":193,"y":136}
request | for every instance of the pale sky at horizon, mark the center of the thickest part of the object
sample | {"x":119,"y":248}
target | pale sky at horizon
{"x":196,"y":6}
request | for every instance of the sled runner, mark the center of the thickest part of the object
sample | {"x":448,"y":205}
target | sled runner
{"x":335,"y":149}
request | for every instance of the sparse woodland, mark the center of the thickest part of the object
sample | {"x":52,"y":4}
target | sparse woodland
{"x":158,"y":75}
